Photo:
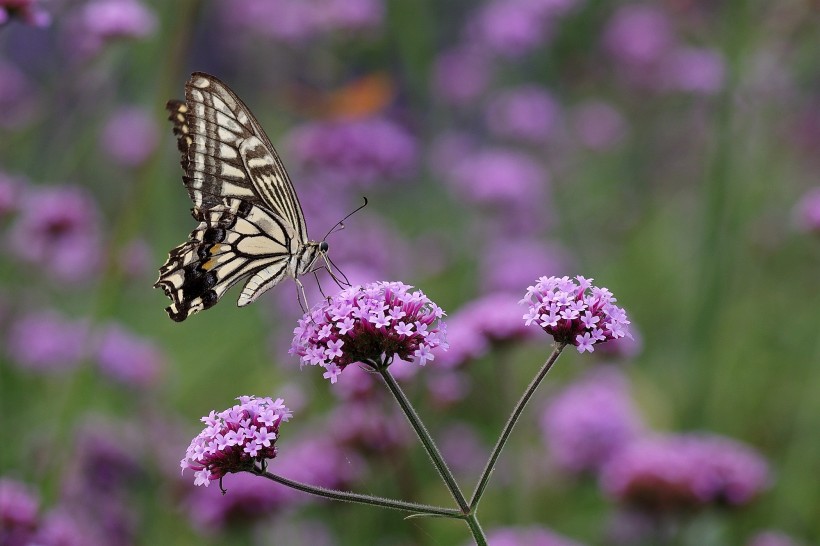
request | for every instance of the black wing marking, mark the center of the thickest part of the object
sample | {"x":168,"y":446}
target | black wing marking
{"x":232,"y":242}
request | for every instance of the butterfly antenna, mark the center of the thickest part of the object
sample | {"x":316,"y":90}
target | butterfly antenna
{"x":340,"y":224}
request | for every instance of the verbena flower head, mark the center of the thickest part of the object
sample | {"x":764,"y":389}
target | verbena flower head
{"x":46,"y":342}
{"x":374,"y":322}
{"x":528,"y":113}
{"x":680,"y":472}
{"x":589,"y":421}
{"x":573,"y":312}
{"x":99,"y":22}
{"x":128,"y":359}
{"x":234,"y":439}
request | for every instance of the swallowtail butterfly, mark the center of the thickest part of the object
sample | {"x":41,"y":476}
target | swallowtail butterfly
{"x":251,"y":224}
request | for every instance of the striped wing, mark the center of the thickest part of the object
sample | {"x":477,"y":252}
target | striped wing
{"x":226,"y":153}
{"x":250,"y":220}
{"x":232,"y":242}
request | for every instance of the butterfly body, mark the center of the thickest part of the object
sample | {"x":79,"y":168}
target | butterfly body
{"x":251,"y":225}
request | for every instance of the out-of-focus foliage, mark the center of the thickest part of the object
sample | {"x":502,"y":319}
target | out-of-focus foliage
{"x":667,"y":149}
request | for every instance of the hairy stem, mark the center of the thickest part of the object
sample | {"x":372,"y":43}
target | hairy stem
{"x":347,"y":496}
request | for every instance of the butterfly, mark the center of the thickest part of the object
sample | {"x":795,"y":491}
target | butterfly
{"x":251,"y":225}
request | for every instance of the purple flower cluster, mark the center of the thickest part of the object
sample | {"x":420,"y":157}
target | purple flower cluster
{"x":57,"y":230}
{"x":460,"y":75}
{"x":514,"y":28}
{"x":641,"y":39}
{"x":369,"y":323}
{"x":234,"y":439}
{"x":297,"y":21}
{"x":18,"y":97}
{"x":528,"y":113}
{"x":18,"y":512}
{"x":569,"y":314}
{"x":807,"y":211}
{"x":127,"y":358}
{"x":358,"y":152}
{"x":507,"y":265}
{"x":28,"y":11}
{"x":46,"y":342}
{"x":130,"y":136}
{"x":590,"y":421}
{"x":527,"y":536}
{"x":685,"y":471}
{"x":771,"y":537}
{"x":498,"y":177}
{"x":99,"y":22}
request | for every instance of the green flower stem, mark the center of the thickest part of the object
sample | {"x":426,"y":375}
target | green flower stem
{"x":347,"y":496}
{"x":426,"y":439}
{"x":505,"y":434}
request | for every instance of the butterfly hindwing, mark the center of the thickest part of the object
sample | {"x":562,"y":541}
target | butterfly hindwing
{"x":231,"y":243}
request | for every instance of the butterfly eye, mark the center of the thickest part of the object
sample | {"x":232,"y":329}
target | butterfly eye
{"x":323,"y":246}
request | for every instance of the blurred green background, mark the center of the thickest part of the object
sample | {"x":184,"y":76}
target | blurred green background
{"x":666,"y":149}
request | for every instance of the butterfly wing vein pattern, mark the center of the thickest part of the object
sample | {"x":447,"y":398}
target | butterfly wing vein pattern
{"x":251,"y":225}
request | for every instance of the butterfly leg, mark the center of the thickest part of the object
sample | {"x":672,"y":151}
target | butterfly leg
{"x":301,"y":295}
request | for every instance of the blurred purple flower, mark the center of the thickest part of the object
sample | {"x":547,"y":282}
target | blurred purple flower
{"x":99,"y":22}
{"x":136,"y":259}
{"x":498,"y":177}
{"x":107,"y":463}
{"x":510,"y":28}
{"x":18,"y":512}
{"x":638,"y":35}
{"x":598,"y":125}
{"x":528,"y":113}
{"x":623,"y":348}
{"x":507,"y":265}
{"x":349,"y":15}
{"x":693,"y":70}
{"x":18,"y":103}
{"x":235,"y":439}
{"x":128,"y":359}
{"x":460,"y":75}
{"x":130,"y":136}
{"x":590,"y":421}
{"x":807,"y":211}
{"x":463,"y":448}
{"x":369,"y":428}
{"x":527,"y":536}
{"x":465,"y":341}
{"x":564,"y":310}
{"x":316,"y":460}
{"x":46,"y":342}
{"x":62,"y":528}
{"x":57,"y":230}
{"x":28,"y":11}
{"x":369,"y":323}
{"x":496,"y":316}
{"x":683,"y":472}
{"x":771,"y":537}
{"x":11,"y":190}
{"x":360,"y":152}
{"x":448,"y":387}
{"x":296,"y":21}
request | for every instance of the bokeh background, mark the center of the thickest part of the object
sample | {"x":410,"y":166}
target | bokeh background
{"x":668,"y":149}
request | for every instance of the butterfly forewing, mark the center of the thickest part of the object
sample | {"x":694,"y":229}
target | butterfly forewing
{"x":251,"y":224}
